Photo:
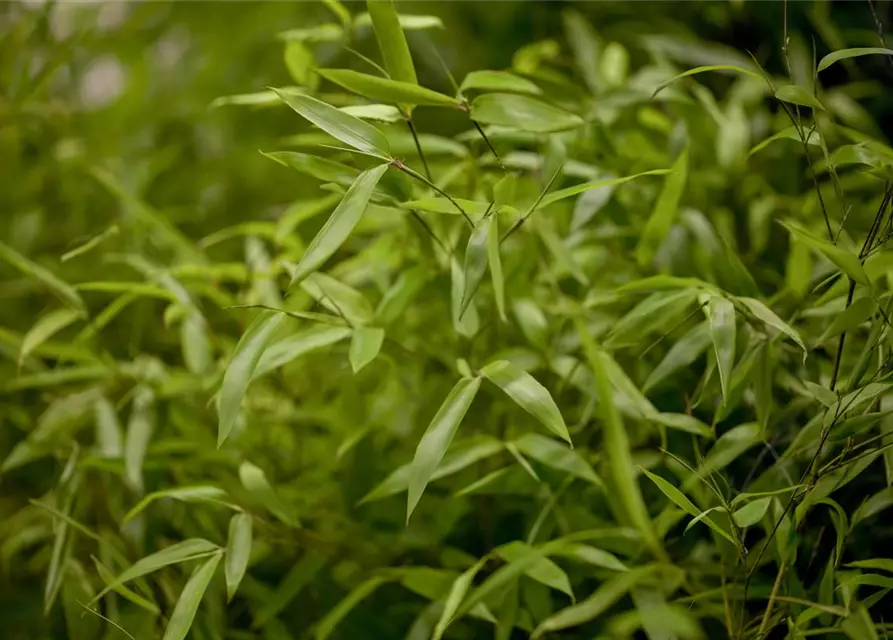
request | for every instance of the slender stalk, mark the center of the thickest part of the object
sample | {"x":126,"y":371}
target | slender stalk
{"x":427,"y":227}
{"x":533,"y":207}
{"x":415,"y":174}
{"x":418,"y":147}
{"x":764,"y":625}
{"x":489,"y":144}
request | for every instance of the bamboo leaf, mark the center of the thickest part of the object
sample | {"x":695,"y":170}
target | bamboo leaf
{"x":340,"y":224}
{"x":522,"y":112}
{"x":191,"y":596}
{"x":844,"y":54}
{"x":528,"y":394}
{"x":364,"y":346}
{"x":198,"y":493}
{"x":751,"y":513}
{"x":577,"y":189}
{"x":476,"y":253}
{"x":454,"y":598}
{"x":61,"y":289}
{"x":711,"y":67}
{"x":552,"y":454}
{"x":848,"y":262}
{"x":664,"y":212}
{"x":316,"y":167}
{"x":238,"y":552}
{"x":795,"y":94}
{"x":255,"y":482}
{"x":721,"y":316}
{"x":44,"y":329}
{"x":387,"y":90}
{"x":352,"y":131}
{"x":437,"y":438}
{"x":498,"y":81}
{"x":241,"y":368}
{"x":495,"y":261}
{"x":764,"y":313}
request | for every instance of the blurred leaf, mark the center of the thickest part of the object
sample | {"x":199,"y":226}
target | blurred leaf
{"x":238,"y":551}
{"x":721,"y":316}
{"x":664,"y":210}
{"x":190,"y":598}
{"x":364,"y":346}
{"x":798,"y":95}
{"x":327,"y":625}
{"x":256,"y":484}
{"x":498,"y":81}
{"x":387,"y":90}
{"x":844,"y":54}
{"x":62,"y":290}
{"x":521,"y":112}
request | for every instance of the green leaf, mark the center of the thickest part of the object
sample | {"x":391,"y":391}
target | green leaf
{"x":617,"y":447}
{"x":391,"y":40}
{"x":340,"y":224}
{"x":90,"y":244}
{"x":407,"y":22}
{"x":542,"y":569}
{"x":880,"y":564}
{"x":725,"y":450}
{"x":764,"y":313}
{"x":455,"y":597}
{"x":241,"y":368}
{"x":586,"y":554}
{"x":139,"y":432}
{"x":500,"y":579}
{"x":721,"y":316}
{"x":319,"y":168}
{"x":681,"y":355}
{"x":654,"y":312}
{"x":848,"y":262}
{"x":460,"y":458}
{"x":108,"y":578}
{"x":681,"y":500}
{"x":191,"y":596}
{"x":379,"y":112}
{"x":238,"y":552}
{"x":858,"y":312}
{"x":475,"y":260}
{"x":387,"y":90}
{"x":191,"y":549}
{"x":443,"y":205}
{"x":495,"y":261}
{"x":339,"y":298}
{"x":521,"y":112}
{"x":342,"y":126}
{"x":255,"y":482}
{"x":552,"y":454}
{"x":528,"y":394}
{"x":789,"y":133}
{"x":437,"y":438}
{"x":751,"y":513}
{"x":664,"y":212}
{"x":795,"y":94}
{"x":61,"y":289}
{"x":297,"y":344}
{"x":856,"y":425}
{"x":364,"y":346}
{"x":712,"y":67}
{"x":199,"y":493}
{"x":843,"y":54}
{"x":327,"y":625}
{"x":498,"y":81}
{"x":600,"y":601}
{"x":465,"y":324}
{"x":44,"y":329}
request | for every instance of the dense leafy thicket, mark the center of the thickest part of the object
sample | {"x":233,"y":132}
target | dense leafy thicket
{"x":591,"y":344}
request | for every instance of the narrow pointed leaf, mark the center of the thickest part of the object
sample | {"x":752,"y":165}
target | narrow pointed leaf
{"x":465,"y":324}
{"x":352,"y":131}
{"x":44,"y":329}
{"x":297,"y":344}
{"x":569,"y":192}
{"x":528,"y":394}
{"x":847,"y":261}
{"x":522,"y":112}
{"x":200,"y":493}
{"x":617,"y":447}
{"x":391,"y":40}
{"x":174,"y":554}
{"x":764,"y":313}
{"x":543,"y":570}
{"x":664,"y":212}
{"x":455,"y":597}
{"x":751,"y":513}
{"x":843,"y":54}
{"x":319,"y":168}
{"x":557,"y":456}
{"x":795,"y":94}
{"x":61,"y":289}
{"x":191,"y":596}
{"x":681,"y":355}
{"x":255,"y":482}
{"x":495,"y":262}
{"x":238,"y":551}
{"x":712,"y":67}
{"x":475,"y":260}
{"x":340,"y":224}
{"x":364,"y":346}
{"x":241,"y":368}
{"x":437,"y":438}
{"x":721,"y":316}
{"x":387,"y":90}
{"x":858,"y":312}
{"x":498,"y":81}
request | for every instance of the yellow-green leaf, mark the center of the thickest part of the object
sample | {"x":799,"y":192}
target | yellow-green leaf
{"x":843,"y":54}
{"x":44,"y":329}
{"x":664,"y":212}
{"x":498,"y":81}
{"x":475,"y":260}
{"x":795,"y":94}
{"x":846,"y":261}
{"x":522,"y":112}
{"x":255,"y":482}
{"x":721,"y":316}
{"x":437,"y":438}
{"x":191,"y":596}
{"x":364,"y":346}
{"x":387,"y":90}
{"x":61,"y":289}
{"x":238,"y":551}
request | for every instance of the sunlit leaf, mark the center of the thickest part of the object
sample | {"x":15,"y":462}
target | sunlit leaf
{"x":387,"y":90}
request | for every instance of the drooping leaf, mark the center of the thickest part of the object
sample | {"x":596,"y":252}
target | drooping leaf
{"x":352,"y":131}
{"x":664,"y":212}
{"x":61,"y":289}
{"x":238,"y":551}
{"x":522,"y":112}
{"x":844,"y":54}
{"x":198,"y":493}
{"x":495,"y":261}
{"x":847,"y":262}
{"x":454,"y":598}
{"x":387,"y":90}
{"x":555,"y":455}
{"x":859,"y":311}
{"x":191,"y":549}
{"x":340,"y":224}
{"x":712,"y":67}
{"x":498,"y":81}
{"x":437,"y":438}
{"x":465,"y":324}
{"x":617,"y":447}
{"x":721,"y":316}
{"x":241,"y":368}
{"x":476,"y":260}
{"x":364,"y":346}
{"x":44,"y":329}
{"x":191,"y":596}
{"x":528,"y":394}
{"x":319,"y":168}
{"x":768,"y":316}
{"x":682,"y":501}
{"x":255,"y":482}
{"x":543,"y":570}
{"x":796,"y":94}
